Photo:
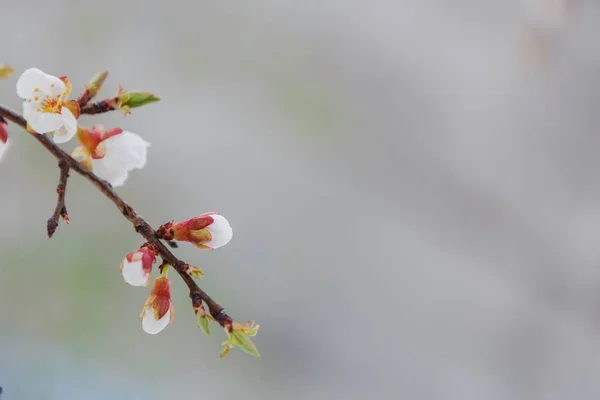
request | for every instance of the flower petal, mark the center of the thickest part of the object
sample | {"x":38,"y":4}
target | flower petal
{"x":127,"y":150}
{"x":220,"y":231}
{"x":113,"y":175}
{"x":3,"y":148}
{"x":44,"y":122}
{"x":133,"y":273}
{"x":123,"y":152}
{"x":153,"y":326}
{"x":33,"y":79}
{"x":68,"y":129}
{"x":30,"y":108}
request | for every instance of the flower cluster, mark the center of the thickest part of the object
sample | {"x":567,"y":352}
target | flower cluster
{"x":207,"y":231}
{"x":110,"y":154}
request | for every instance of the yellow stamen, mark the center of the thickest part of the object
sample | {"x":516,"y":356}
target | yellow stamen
{"x":52,"y":105}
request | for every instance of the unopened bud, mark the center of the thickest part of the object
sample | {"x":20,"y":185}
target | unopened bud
{"x":3,"y":136}
{"x":133,"y":99}
{"x":192,"y":271}
{"x":137,"y":266}
{"x":208,"y":231}
{"x":3,"y":131}
{"x":95,"y":84}
{"x":158,"y":310}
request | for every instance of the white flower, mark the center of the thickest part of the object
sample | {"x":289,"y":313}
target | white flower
{"x":44,"y":106}
{"x":137,"y":266}
{"x":123,"y":153}
{"x":220,"y":231}
{"x":158,"y":310}
{"x":153,"y":326}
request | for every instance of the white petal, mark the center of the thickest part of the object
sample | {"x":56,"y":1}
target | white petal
{"x":114,"y":175}
{"x":124,"y":152}
{"x":68,"y":129}
{"x":44,"y":122}
{"x":34,"y":78}
{"x":151,"y":325}
{"x":133,"y":273}
{"x":127,"y":150}
{"x":3,"y":148}
{"x":220,"y":231}
{"x":30,"y":108}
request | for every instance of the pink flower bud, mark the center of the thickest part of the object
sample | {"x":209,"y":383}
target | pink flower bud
{"x":3,"y":136}
{"x":137,"y":266}
{"x":158,"y":310}
{"x":3,"y":131}
{"x":208,"y":231}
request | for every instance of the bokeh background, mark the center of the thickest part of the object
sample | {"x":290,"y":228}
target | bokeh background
{"x":413,"y":187}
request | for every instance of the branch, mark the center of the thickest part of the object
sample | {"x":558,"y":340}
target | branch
{"x":100,"y":107}
{"x":139,"y":223}
{"x":61,"y":209}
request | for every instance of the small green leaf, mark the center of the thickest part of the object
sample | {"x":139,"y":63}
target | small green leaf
{"x":137,"y":99}
{"x":203,"y":324}
{"x":241,"y":339}
{"x":227,"y":349}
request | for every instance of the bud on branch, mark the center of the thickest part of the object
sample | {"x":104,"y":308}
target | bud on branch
{"x":105,"y":158}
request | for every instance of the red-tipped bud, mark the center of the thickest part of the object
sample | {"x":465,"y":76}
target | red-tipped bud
{"x":158,"y":311}
{"x":137,"y":266}
{"x":3,"y":136}
{"x":208,"y":231}
{"x":3,"y":131}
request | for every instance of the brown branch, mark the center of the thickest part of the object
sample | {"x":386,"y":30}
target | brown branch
{"x":86,"y":97}
{"x":61,"y":209}
{"x":100,"y":107}
{"x":139,"y":223}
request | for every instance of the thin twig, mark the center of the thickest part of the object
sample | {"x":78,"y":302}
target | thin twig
{"x":61,"y":209}
{"x":100,"y":107}
{"x":85,"y":98}
{"x":139,"y":223}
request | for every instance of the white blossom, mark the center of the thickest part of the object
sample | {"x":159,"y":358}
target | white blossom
{"x":153,"y":326}
{"x":123,"y":153}
{"x":44,"y":106}
{"x":136,"y":267}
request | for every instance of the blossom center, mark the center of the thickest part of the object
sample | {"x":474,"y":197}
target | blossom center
{"x":50,"y":105}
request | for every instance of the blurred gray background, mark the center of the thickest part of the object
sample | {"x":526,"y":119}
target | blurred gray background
{"x":413,"y":187}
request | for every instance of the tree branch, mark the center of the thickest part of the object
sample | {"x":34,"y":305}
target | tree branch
{"x":139,"y":223}
{"x":61,"y":209}
{"x":100,"y":107}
